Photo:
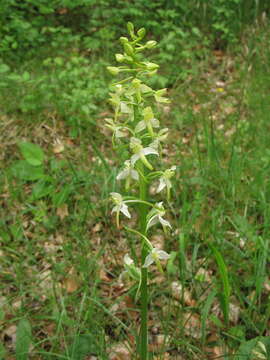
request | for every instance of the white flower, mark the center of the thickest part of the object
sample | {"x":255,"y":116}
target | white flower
{"x":164,"y":180}
{"x":156,"y":215}
{"x":140,"y":152}
{"x":128,"y":172}
{"x":148,"y":121}
{"x":116,"y":129}
{"x":127,"y":260}
{"x":130,"y":269}
{"x":154,"y":256}
{"x":159,"y":96}
{"x":159,"y":137}
{"x":120,"y":206}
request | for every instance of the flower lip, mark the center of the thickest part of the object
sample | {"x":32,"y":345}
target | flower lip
{"x":154,"y":256}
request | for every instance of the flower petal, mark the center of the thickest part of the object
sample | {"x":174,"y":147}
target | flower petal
{"x":164,"y":222}
{"x":140,"y":126}
{"x":127,"y":260}
{"x":155,"y":123}
{"x":134,"y":158}
{"x":149,"y":150}
{"x":148,"y":261}
{"x":116,"y":196}
{"x":124,"y":210}
{"x":162,"y":255}
{"x":134,"y":174}
{"x":152,"y":221}
{"x":161,"y":186}
{"x":122,"y":175}
{"x":115,"y":209}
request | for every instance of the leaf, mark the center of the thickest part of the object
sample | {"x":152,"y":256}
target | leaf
{"x":83,"y":346}
{"x":60,"y":197}
{"x":62,"y":211}
{"x":23,"y":339}
{"x":41,"y":189}
{"x":2,"y":352}
{"x":71,"y":282}
{"x":24,"y":171}
{"x":225,"y":293}
{"x":205,"y":313}
{"x":247,"y":349}
{"x":32,"y":153}
{"x":4,"y":68}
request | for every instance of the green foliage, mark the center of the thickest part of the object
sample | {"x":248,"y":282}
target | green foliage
{"x":23,"y":339}
{"x":32,"y":153}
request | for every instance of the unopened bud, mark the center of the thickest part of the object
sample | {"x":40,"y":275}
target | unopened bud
{"x":119,"y":57}
{"x":113,"y":70}
{"x":128,"y":49}
{"x":130,"y":27}
{"x":161,"y":92}
{"x":136,"y":83}
{"x":150,"y":44}
{"x":141,"y":33}
{"x":123,"y":40}
{"x":151,"y":66}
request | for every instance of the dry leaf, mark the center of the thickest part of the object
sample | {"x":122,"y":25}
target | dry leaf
{"x":97,"y":227}
{"x":119,"y":352}
{"x":11,"y":333}
{"x":234,"y":313}
{"x":58,"y":147}
{"x":192,"y":325}
{"x":178,"y":293}
{"x":62,"y":211}
{"x":72,"y":281}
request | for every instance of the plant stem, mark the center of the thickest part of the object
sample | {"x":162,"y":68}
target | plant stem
{"x":144,"y":251}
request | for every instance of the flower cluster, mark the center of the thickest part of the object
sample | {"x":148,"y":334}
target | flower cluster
{"x":135,"y":127}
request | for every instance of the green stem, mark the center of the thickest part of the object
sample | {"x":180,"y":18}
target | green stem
{"x":144,"y":251}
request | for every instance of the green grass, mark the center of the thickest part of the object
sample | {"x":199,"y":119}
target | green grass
{"x":61,"y":256}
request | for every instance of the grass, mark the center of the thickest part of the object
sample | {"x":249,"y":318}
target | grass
{"x":61,"y":256}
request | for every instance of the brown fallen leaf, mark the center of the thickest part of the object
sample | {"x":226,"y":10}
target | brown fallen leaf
{"x":58,"y":147}
{"x":71,"y":282}
{"x":62,"y":211}
{"x":192,"y":325}
{"x":119,"y":352}
{"x":179,"y":293}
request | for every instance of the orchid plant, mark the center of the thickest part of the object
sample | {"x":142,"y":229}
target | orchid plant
{"x":135,"y":127}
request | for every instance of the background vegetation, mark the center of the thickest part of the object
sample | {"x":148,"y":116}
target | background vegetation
{"x":61,"y":258}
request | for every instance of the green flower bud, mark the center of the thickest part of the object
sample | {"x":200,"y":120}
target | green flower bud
{"x":119,"y":57}
{"x":129,"y":59}
{"x":113,"y":70}
{"x":123,"y":40}
{"x":128,"y":49}
{"x":136,"y":83}
{"x":151,"y":66}
{"x":130,"y":27}
{"x":150,"y":44}
{"x":141,"y":33}
{"x":161,"y":92}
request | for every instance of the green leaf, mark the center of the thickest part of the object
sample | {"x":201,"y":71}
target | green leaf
{"x":32,"y":153}
{"x":41,"y":189}
{"x":205,"y":312}
{"x":4,"y":68}
{"x":2,"y":352}
{"x":24,"y":171}
{"x":23,"y":339}
{"x":61,"y":197}
{"x":83,"y":346}
{"x":225,"y":292}
{"x":248,"y":349}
